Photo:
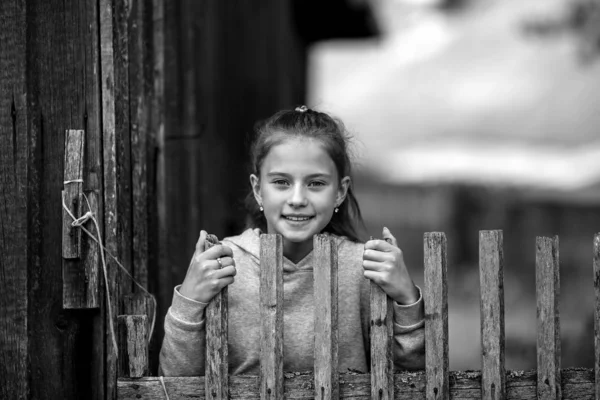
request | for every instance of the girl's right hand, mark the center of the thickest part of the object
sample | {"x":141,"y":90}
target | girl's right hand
{"x":205,"y":277}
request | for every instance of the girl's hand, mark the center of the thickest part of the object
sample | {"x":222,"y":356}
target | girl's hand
{"x":205,"y":276}
{"x":384,"y":265}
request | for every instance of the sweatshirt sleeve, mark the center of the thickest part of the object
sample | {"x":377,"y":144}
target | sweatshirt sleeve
{"x":409,"y":335}
{"x":183,"y":348}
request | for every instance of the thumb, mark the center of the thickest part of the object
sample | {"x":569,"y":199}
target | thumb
{"x":200,"y":244}
{"x":388,"y":237}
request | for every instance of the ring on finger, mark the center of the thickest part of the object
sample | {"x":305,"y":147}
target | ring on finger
{"x":219,"y":261}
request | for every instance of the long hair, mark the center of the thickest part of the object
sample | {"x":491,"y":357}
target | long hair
{"x":306,"y":123}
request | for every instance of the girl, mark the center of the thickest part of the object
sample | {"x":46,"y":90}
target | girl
{"x":301,"y":186}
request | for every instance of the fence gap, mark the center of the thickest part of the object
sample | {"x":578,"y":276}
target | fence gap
{"x":597,"y":313}
{"x":271,"y":315}
{"x":382,"y":336}
{"x":325,"y":274}
{"x":435,"y":297}
{"x":491,"y":278}
{"x":548,"y":321}
{"x":217,"y":347}
{"x":133,"y":347}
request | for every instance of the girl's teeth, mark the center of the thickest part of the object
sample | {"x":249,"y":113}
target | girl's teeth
{"x":298,"y":218}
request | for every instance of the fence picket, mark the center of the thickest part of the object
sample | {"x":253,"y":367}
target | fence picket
{"x":271,"y":313}
{"x":597,"y":313}
{"x":217,"y":351}
{"x":548,"y":322}
{"x":326,"y":317}
{"x":435,"y":297}
{"x":382,"y":336}
{"x":133,"y":347}
{"x":491,"y":276}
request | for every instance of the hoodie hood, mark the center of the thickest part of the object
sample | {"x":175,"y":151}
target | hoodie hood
{"x":249,"y":244}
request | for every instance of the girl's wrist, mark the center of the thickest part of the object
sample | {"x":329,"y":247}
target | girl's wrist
{"x":411,"y":296}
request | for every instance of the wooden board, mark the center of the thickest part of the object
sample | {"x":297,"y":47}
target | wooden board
{"x":325,"y":274}
{"x":577,"y":383}
{"x":547,"y":282}
{"x":382,"y":344}
{"x":491,"y":283}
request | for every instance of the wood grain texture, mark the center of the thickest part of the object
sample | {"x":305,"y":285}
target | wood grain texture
{"x":436,"y":316}
{"x":15,"y":252}
{"x":325,"y":274}
{"x":271,"y":315}
{"x":73,"y":171}
{"x":382,"y":342}
{"x":491,"y":283}
{"x":597,"y":313}
{"x":217,"y":345}
{"x":140,"y":304}
{"x":133,"y":346}
{"x":547,"y":282}
{"x":577,"y":383}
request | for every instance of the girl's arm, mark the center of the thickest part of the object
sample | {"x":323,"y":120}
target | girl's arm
{"x":409,"y":335}
{"x":183,"y":348}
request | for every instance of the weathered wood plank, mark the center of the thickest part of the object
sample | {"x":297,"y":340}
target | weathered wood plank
{"x":325,"y":274}
{"x":436,"y":316}
{"x":547,"y":281}
{"x":491,"y":278}
{"x":382,"y":342}
{"x":217,"y":350}
{"x":73,"y":178}
{"x":133,"y":346}
{"x":577,"y":383}
{"x":15,"y":254}
{"x":597,"y":313}
{"x":271,"y":315}
{"x":140,"y":304}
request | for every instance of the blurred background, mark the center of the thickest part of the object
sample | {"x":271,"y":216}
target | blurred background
{"x":478,"y":115}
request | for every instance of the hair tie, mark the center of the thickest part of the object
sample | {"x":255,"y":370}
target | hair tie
{"x":302,"y":109}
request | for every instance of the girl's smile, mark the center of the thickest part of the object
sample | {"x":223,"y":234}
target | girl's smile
{"x":299,"y":189}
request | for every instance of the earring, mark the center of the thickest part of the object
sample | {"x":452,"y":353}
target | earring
{"x":335,"y":210}
{"x":261,"y":208}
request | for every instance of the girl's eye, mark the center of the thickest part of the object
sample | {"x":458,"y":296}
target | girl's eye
{"x":280,"y":182}
{"x":316,"y":183}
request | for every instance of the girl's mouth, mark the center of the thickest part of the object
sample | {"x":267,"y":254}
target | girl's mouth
{"x":296,"y":218}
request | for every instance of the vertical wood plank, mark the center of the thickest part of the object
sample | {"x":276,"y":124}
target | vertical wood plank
{"x":597,"y":314}
{"x":436,"y":316}
{"x":140,"y":304}
{"x":133,"y":347}
{"x":547,"y":281}
{"x":271,"y":315}
{"x":73,"y":173}
{"x":382,"y":342}
{"x":15,"y":209}
{"x":217,"y":350}
{"x":491,"y":279}
{"x":325,"y":273}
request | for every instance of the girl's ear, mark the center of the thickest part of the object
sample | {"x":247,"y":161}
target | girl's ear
{"x":342,"y":190}
{"x":255,"y":183}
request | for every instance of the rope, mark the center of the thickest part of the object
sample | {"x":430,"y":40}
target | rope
{"x":78,"y":222}
{"x":162,"y":381}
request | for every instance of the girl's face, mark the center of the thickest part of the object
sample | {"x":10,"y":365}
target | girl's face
{"x":299,"y":188}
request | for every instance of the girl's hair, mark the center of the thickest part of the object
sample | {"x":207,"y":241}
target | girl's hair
{"x":306,"y":123}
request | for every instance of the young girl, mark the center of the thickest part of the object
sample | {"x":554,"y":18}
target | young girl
{"x":301,"y":186}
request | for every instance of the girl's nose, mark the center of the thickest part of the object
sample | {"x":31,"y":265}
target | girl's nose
{"x":298,"y":197}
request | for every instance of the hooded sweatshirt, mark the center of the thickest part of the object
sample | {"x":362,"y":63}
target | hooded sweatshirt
{"x":183,"y":348}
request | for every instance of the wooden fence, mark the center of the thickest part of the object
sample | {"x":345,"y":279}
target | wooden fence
{"x":436,"y":382}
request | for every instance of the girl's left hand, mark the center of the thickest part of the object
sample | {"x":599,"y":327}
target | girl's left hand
{"x":384,"y":264}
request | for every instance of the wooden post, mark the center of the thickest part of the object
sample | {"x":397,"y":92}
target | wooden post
{"x":491,"y":278}
{"x":140,"y":304}
{"x":217,"y":363}
{"x":325,"y":274}
{"x":80,"y":274}
{"x":548,"y":322}
{"x":73,"y":177}
{"x":436,"y":317}
{"x":271,"y":315}
{"x":133,"y":347}
{"x":382,"y":342}
{"x":597,"y":314}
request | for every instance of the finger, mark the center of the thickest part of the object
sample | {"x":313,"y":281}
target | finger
{"x":387,"y":236}
{"x":228,"y":280}
{"x":219,"y":251}
{"x":225,"y":272}
{"x":226,"y":261}
{"x":373,"y":266}
{"x":373,"y":276}
{"x":378,"y":255}
{"x":379,"y":244}
{"x":201,"y":240}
